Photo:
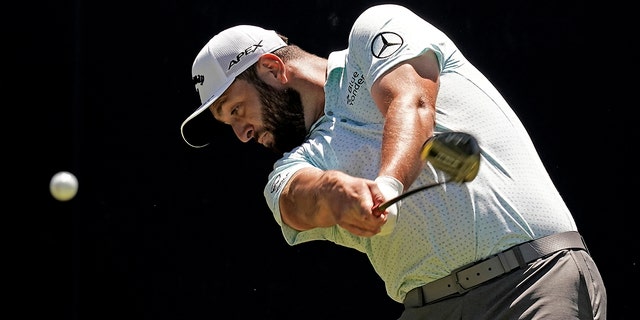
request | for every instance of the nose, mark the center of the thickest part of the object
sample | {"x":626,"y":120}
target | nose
{"x":243,"y":131}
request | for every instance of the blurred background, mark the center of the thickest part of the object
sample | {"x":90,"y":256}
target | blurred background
{"x":159,"y":230}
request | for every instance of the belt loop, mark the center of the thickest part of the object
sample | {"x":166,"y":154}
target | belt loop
{"x":584,"y":244}
{"x":519,"y":257}
{"x":421,"y":295}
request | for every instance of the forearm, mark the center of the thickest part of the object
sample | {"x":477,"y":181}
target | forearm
{"x":299,"y":205}
{"x":314,"y":198}
{"x":406,"y":96}
{"x":406,"y":130}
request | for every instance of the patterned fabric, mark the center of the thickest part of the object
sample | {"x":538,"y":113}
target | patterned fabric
{"x":512,"y":199}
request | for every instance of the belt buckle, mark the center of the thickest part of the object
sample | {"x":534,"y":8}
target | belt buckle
{"x":456,"y":281}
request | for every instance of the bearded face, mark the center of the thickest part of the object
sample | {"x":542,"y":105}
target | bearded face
{"x":283,"y":116}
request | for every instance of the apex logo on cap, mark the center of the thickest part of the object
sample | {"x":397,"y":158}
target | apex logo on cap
{"x":251,"y":49}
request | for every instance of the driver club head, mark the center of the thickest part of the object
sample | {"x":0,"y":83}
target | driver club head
{"x":456,"y":153}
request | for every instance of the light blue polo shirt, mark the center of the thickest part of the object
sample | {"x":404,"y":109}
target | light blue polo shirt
{"x":512,"y":199}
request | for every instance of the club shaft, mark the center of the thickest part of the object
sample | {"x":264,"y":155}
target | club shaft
{"x":389,"y":203}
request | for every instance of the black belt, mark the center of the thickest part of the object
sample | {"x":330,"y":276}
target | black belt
{"x":467,"y":277}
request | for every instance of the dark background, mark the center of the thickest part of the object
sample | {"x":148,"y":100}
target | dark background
{"x":159,"y":230}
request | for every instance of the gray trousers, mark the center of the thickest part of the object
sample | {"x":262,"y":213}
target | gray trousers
{"x":564,"y":286}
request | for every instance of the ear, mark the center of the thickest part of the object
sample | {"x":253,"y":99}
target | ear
{"x":271,"y":70}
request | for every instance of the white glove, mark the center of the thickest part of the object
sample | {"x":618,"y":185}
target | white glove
{"x":390,"y":188}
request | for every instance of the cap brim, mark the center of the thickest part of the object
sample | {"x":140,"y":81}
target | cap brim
{"x":200,"y":127}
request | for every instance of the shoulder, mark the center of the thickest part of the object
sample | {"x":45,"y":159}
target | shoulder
{"x":390,"y":33}
{"x":386,"y":19}
{"x":385,"y":9}
{"x":381,"y":14}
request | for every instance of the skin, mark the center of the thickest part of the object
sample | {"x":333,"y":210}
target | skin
{"x":405,"y":95}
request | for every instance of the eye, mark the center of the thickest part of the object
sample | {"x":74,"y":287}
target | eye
{"x":225,"y":114}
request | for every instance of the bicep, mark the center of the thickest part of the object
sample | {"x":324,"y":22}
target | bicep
{"x":414,"y":82}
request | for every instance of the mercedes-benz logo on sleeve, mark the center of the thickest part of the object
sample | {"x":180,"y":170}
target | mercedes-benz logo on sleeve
{"x":385,"y":44}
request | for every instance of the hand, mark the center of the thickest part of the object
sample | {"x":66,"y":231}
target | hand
{"x":390,"y":188}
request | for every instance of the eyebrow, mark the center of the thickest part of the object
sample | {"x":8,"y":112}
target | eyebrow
{"x":217,"y":110}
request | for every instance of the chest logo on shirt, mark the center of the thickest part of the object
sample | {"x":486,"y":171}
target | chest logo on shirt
{"x":277,"y":183}
{"x":385,"y":44}
{"x":356,"y":82}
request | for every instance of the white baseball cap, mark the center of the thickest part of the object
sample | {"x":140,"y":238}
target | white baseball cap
{"x":219,"y":62}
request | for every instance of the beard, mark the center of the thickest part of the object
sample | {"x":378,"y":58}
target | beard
{"x":283,"y":116}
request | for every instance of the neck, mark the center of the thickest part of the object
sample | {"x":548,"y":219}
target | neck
{"x":308,"y":75}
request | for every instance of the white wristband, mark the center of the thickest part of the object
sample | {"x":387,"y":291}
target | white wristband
{"x":390,"y":188}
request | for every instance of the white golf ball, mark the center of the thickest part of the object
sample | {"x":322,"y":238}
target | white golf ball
{"x":63,"y":186}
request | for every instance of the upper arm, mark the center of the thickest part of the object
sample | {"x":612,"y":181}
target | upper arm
{"x":416,"y":80}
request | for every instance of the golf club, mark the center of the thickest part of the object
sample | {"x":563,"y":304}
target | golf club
{"x":455,"y":153}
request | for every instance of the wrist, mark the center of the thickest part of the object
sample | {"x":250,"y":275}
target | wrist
{"x":390,"y":186}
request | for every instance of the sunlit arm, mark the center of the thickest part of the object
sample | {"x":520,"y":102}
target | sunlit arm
{"x":406,"y":95}
{"x":314,"y":198}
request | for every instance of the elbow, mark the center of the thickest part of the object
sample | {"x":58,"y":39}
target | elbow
{"x":292,"y":217}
